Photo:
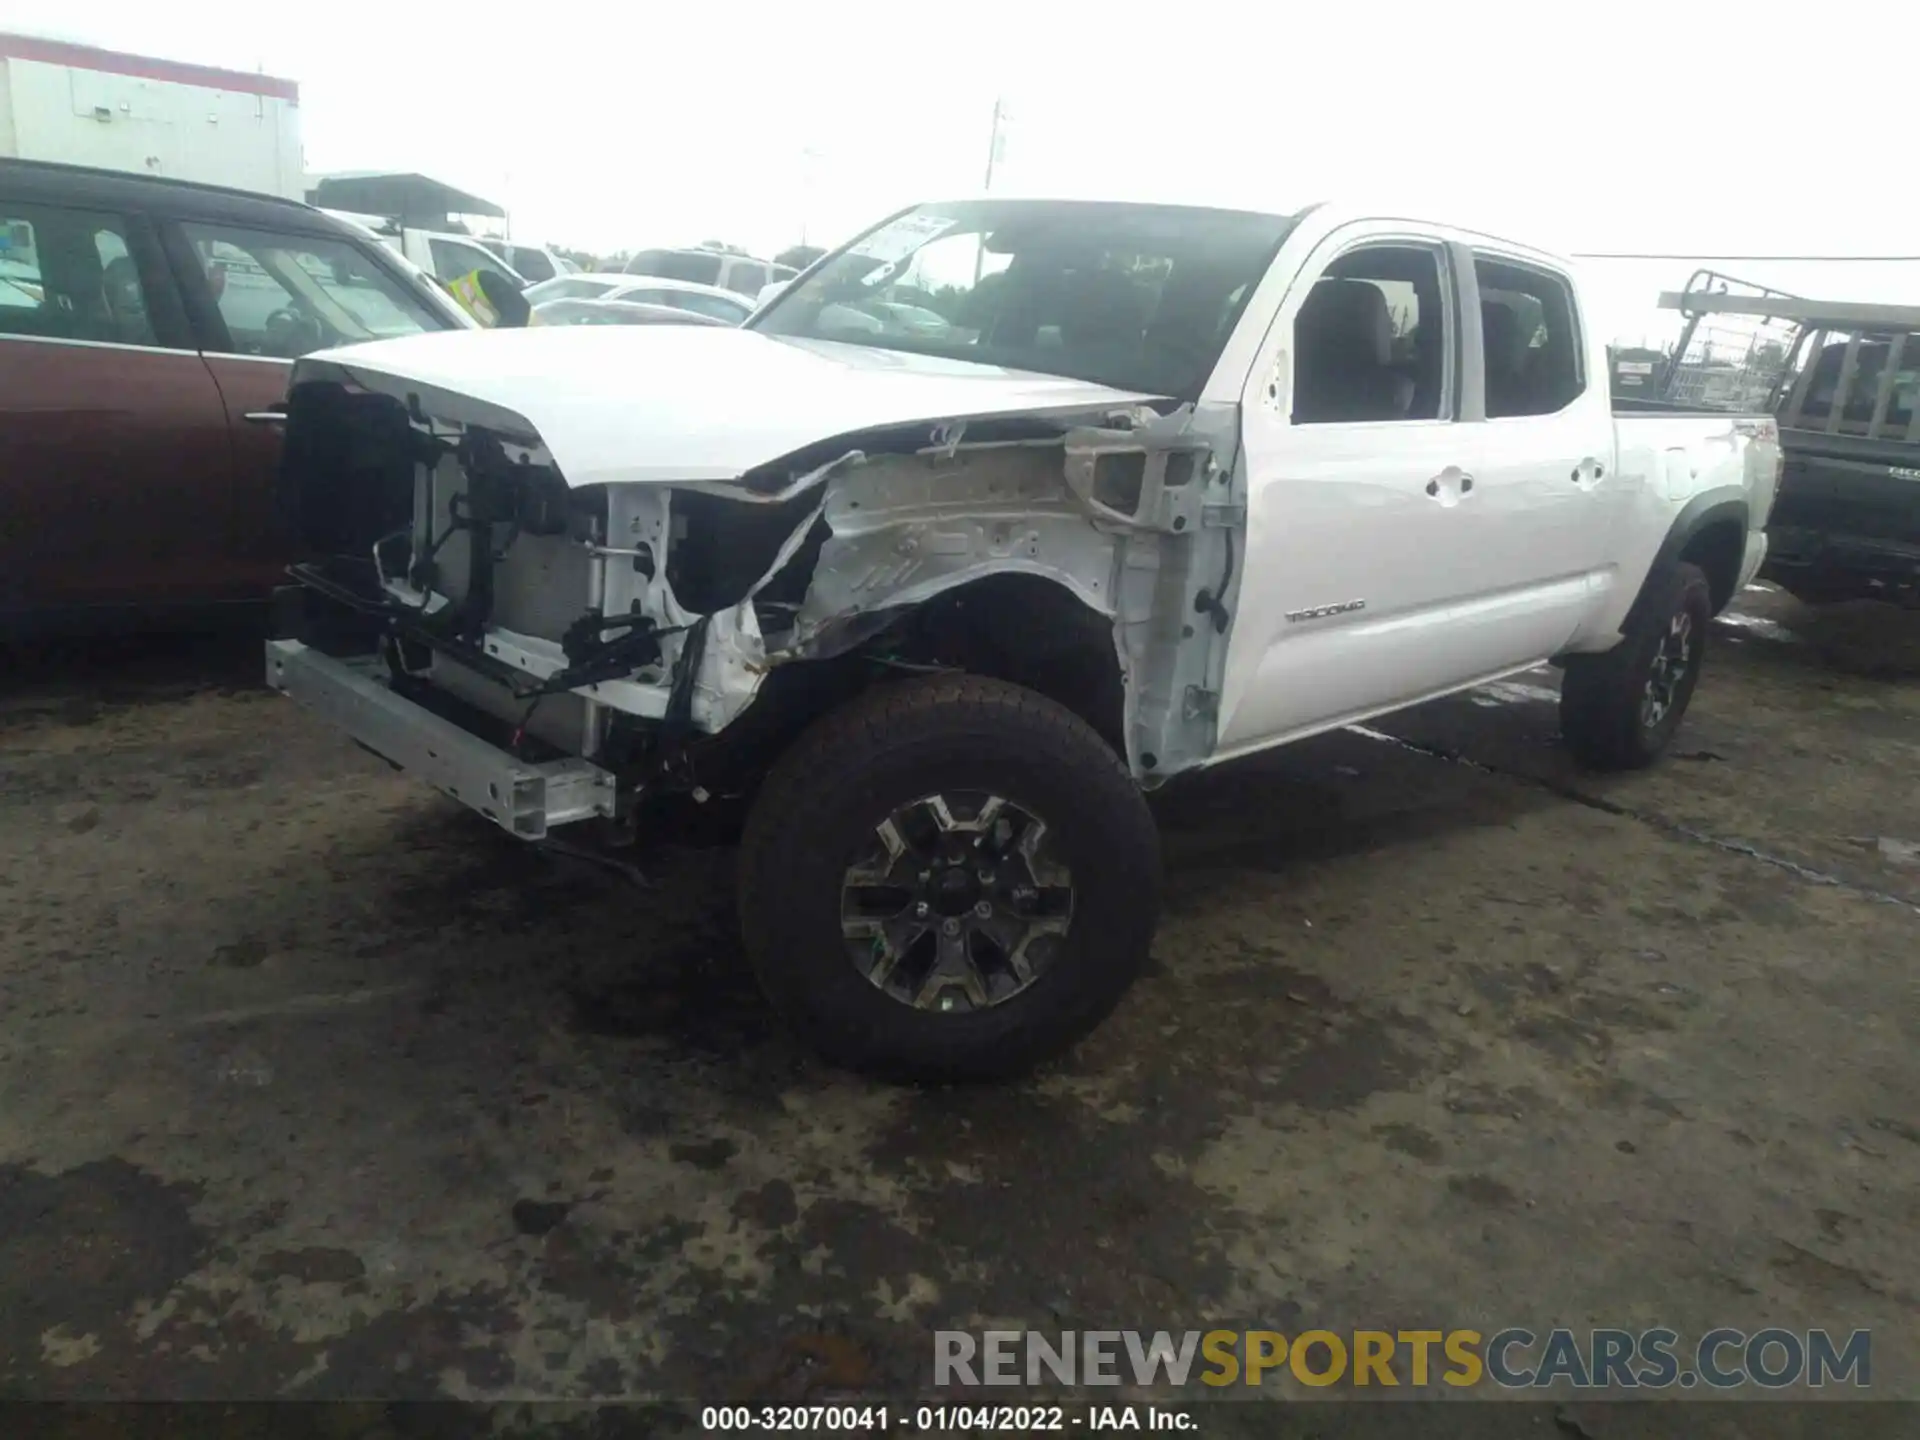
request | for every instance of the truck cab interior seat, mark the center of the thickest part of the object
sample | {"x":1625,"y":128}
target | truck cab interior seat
{"x":1343,"y":356}
{"x":1508,"y":381}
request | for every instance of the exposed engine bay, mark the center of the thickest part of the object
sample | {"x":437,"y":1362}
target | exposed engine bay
{"x":670,"y":631}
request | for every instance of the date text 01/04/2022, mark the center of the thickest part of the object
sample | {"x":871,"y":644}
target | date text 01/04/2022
{"x":881,"y":1419}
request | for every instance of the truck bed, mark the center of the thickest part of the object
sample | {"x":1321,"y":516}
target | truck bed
{"x":1632,"y":405}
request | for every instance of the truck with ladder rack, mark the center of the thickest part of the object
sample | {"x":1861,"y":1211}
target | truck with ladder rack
{"x":1843,"y":380}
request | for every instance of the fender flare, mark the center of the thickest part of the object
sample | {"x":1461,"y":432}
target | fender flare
{"x":1713,"y":508}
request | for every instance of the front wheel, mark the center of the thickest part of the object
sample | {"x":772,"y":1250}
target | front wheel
{"x":1618,"y":710}
{"x":948,"y":879}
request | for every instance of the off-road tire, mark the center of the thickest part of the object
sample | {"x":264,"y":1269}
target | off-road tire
{"x":886,"y":749}
{"x":1603,"y":714}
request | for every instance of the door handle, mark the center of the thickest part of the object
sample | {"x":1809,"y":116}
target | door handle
{"x":265,"y":417}
{"x":1450,"y":485}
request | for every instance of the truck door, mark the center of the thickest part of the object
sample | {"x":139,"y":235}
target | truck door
{"x":1358,"y":477}
{"x":1400,"y":543}
{"x":1544,"y":453}
{"x":112,"y":435}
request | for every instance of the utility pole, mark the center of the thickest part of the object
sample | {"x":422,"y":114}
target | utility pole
{"x":809,"y":160}
{"x":993,"y":141}
{"x":993,"y":154}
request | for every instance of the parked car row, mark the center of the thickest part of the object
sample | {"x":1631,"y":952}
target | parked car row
{"x":709,"y":301}
{"x":143,"y":322}
{"x":146,"y":328}
{"x":442,"y":254}
{"x":616,"y":312}
{"x":655,"y":277}
{"x":740,"y":273}
{"x":719,"y":284}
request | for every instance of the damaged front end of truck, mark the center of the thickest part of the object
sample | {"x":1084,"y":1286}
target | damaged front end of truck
{"x":548,"y":651}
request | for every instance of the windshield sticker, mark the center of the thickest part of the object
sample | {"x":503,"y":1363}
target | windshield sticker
{"x":902,"y":237}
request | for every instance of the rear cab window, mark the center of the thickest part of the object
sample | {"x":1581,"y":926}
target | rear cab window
{"x":1818,"y":392}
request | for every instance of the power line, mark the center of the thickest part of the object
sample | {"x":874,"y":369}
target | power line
{"x":1752,"y":259}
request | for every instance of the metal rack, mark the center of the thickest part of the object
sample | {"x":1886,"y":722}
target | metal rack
{"x":1735,"y":347}
{"x":1840,"y":367}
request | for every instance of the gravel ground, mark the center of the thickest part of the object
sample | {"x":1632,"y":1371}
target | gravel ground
{"x":312,"y":1084}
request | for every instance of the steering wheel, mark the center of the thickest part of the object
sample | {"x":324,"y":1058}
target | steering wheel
{"x":293,"y":333}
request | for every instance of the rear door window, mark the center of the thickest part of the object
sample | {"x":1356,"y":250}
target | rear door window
{"x":746,"y":278}
{"x":67,"y":274}
{"x":1530,"y":339}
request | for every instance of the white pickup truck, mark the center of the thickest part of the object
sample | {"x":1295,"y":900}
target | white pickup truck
{"x":995,"y":518}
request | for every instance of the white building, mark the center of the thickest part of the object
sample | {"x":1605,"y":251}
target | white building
{"x":85,"y":106}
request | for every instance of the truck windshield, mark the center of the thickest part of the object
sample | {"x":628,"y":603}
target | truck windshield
{"x":1140,"y":297}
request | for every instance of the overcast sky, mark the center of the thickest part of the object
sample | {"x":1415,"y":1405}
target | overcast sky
{"x":1675,"y":127}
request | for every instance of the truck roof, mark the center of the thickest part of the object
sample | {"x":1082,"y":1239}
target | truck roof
{"x":81,"y":184}
{"x":1170,"y":201}
{"x":1328,"y":212}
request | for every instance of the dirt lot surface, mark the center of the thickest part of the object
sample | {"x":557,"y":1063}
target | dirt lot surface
{"x":312,"y":1084}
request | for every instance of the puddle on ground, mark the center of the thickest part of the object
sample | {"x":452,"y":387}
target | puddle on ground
{"x":1759,"y":625}
{"x":1512,"y":692}
{"x":1900,"y":852}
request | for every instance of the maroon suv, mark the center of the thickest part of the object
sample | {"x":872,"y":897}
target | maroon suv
{"x":142,"y":322}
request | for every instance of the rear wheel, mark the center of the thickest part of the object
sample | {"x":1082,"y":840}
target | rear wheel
{"x":1619,"y":710}
{"x":948,"y":879}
